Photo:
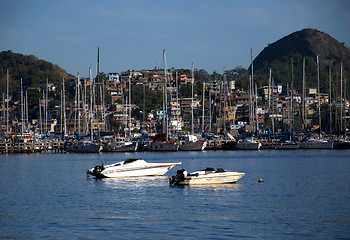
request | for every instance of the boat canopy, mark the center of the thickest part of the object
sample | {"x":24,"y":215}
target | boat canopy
{"x":130,"y":160}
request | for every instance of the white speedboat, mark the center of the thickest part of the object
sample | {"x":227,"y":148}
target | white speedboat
{"x":132,"y":167}
{"x":313,"y":143}
{"x":248,"y":144}
{"x":205,"y":176}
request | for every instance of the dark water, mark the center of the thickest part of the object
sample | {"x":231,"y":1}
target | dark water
{"x":305,"y":195}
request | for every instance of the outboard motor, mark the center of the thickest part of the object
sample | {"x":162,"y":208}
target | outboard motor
{"x":179,"y":177}
{"x":96,"y":171}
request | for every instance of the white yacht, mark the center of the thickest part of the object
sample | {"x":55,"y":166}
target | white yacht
{"x":205,"y":176}
{"x":132,"y":167}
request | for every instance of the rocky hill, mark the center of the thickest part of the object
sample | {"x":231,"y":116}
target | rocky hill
{"x":306,"y":43}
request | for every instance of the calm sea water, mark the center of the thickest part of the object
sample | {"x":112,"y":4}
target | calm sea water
{"x":305,"y":195}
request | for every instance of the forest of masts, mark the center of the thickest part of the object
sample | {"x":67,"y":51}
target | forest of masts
{"x":217,"y":113}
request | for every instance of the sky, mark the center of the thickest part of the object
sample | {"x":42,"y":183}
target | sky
{"x":131,"y":35}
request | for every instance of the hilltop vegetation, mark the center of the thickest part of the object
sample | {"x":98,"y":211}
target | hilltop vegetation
{"x":32,"y":70}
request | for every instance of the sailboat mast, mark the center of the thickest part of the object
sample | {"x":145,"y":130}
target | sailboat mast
{"x":330,"y":100}
{"x":22,"y":106}
{"x":44,"y":113}
{"x":40,"y":118}
{"x":203,"y":107}
{"x":26,"y":111}
{"x":85,"y":110}
{"x":177,"y":104}
{"x":130,"y":108}
{"x":78,"y":103}
{"x":143,"y":107}
{"x":7,"y":102}
{"x":165,"y":112}
{"x":210,"y":110}
{"x":292,"y":99}
{"x":224,"y":98}
{"x":61,"y":112}
{"x":47,"y":106}
{"x":64,"y":110}
{"x":341,"y":97}
{"x":97,"y":90}
{"x":91,"y":107}
{"x":192,"y":127}
{"x":252,"y":89}
{"x":303,"y":103}
{"x":318,"y":89}
{"x":269,"y":94}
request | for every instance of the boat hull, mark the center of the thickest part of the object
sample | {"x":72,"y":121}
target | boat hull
{"x":212,"y":178}
{"x":131,"y":168}
{"x":316,"y":145}
{"x":341,"y":145}
{"x":287,"y":146}
{"x":148,"y":170}
{"x":163,"y":146}
{"x":194,"y":146}
{"x":248,"y":146}
{"x":88,"y":148}
{"x":120,"y":148}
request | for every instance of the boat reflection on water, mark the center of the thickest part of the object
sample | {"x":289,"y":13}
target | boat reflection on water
{"x":134,"y":182}
{"x":213,"y":187}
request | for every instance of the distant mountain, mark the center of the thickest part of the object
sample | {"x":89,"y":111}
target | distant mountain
{"x":306,"y":43}
{"x":32,"y":70}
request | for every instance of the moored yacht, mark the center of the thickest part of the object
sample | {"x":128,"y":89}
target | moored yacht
{"x":313,"y":143}
{"x":119,"y":144}
{"x":87,"y":147}
{"x":205,"y":176}
{"x":132,"y":167}
{"x":248,"y":144}
{"x":287,"y":145}
{"x":192,"y":143}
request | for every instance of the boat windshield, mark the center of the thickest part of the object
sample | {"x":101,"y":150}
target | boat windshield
{"x":208,"y":169}
{"x":130,"y":160}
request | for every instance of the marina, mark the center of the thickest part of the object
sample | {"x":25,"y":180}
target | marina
{"x":174,"y":120}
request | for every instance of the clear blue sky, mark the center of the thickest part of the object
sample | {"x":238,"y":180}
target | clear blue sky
{"x":132,"y":34}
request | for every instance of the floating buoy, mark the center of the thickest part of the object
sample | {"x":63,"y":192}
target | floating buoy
{"x":260,"y":180}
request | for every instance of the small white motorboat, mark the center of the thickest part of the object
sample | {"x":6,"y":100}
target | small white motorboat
{"x":205,"y":176}
{"x":132,"y":167}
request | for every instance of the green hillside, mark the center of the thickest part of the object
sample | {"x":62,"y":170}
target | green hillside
{"x":32,"y":70}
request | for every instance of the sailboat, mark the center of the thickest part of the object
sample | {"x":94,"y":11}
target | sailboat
{"x":163,"y":142}
{"x":192,"y":143}
{"x":248,"y":144}
{"x":119,"y":144}
{"x":88,"y":145}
